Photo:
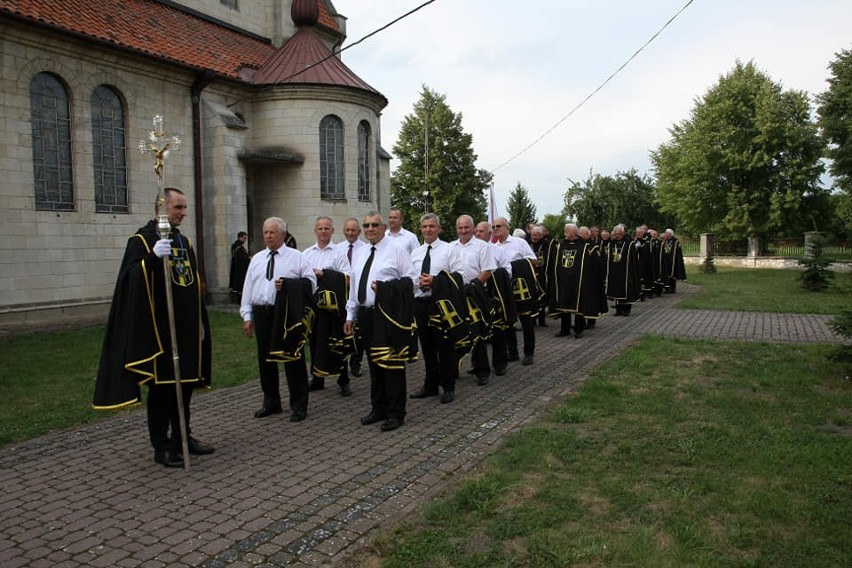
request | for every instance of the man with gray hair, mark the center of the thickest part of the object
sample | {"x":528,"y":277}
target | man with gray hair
{"x":672,"y":267}
{"x":266,"y":272}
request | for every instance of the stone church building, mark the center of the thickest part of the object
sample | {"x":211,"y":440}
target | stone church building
{"x":272,"y":122}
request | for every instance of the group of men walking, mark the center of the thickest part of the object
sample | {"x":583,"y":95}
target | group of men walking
{"x":388,"y":298}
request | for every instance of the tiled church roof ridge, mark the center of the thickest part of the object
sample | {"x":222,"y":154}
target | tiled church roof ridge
{"x":156,"y":29}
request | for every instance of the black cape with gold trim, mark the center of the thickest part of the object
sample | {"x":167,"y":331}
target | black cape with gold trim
{"x":622,"y":281}
{"x":576,"y":280}
{"x":292,"y":317}
{"x":526,"y":288}
{"x":671,"y":260}
{"x":393,"y":341}
{"x":137,"y":344}
{"x":449,"y":313}
{"x":332,"y":346}
{"x":499,"y":288}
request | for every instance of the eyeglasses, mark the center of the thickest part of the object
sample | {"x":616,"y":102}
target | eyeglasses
{"x":371,"y":225}
{"x":497,"y":226}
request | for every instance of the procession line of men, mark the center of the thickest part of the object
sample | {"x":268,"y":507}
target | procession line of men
{"x":377,"y":298}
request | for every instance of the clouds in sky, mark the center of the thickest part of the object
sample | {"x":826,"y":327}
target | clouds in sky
{"x":513,"y":69}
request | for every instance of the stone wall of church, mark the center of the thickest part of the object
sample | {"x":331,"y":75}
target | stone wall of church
{"x":50,"y":258}
{"x":254,"y":16}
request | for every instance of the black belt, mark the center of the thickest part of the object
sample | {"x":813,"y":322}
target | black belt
{"x":260,"y":308}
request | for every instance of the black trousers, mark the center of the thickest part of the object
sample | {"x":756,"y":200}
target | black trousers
{"x":623,"y":307}
{"x":296,"y":371}
{"x":528,"y":327}
{"x":499,"y":350}
{"x":565,"y":323}
{"x":439,"y":355}
{"x":163,"y":419}
{"x":671,"y":285}
{"x":388,"y":389}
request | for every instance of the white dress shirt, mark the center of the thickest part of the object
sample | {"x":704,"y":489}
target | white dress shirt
{"x":343,"y":264}
{"x":404,"y":239}
{"x":500,"y":257}
{"x":321,"y":257}
{"x":475,"y":257}
{"x":517,"y":249}
{"x":258,"y":291}
{"x":389,"y":263}
{"x":442,"y":256}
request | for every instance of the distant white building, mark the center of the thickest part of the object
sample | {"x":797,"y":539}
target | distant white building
{"x":272,"y":123}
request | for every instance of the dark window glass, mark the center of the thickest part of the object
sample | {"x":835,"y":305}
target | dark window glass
{"x":51,"y":121}
{"x":109,"y":149}
{"x":232,"y":4}
{"x":364,"y":133}
{"x":331,"y":158}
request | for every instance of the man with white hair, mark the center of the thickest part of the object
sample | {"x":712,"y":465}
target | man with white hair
{"x":672,"y":267}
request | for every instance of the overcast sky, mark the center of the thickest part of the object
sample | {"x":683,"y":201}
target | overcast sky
{"x":513,"y":69}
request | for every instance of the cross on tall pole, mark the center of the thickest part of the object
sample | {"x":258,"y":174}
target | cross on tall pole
{"x":159,"y":144}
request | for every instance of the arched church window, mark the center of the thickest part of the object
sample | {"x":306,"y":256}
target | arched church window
{"x":109,"y":149}
{"x":364,"y":134}
{"x":51,"y":127}
{"x":332,"y":168}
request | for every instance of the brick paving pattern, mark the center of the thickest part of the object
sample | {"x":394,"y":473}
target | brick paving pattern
{"x":305,"y":494}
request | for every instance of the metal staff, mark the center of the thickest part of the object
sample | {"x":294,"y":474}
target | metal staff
{"x":155,"y":144}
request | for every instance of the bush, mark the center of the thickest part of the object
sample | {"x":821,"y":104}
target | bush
{"x":816,"y":276}
{"x":708,"y":266}
{"x":842,"y":326}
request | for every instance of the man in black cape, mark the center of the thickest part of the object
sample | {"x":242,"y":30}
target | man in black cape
{"x":622,"y":282}
{"x":137,"y":346}
{"x":576,"y":281}
{"x":672,"y":267}
{"x":239,"y":266}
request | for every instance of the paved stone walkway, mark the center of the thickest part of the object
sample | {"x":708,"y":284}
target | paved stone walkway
{"x":307,"y":494}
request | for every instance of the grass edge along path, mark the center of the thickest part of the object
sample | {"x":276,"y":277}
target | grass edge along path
{"x":677,"y":453}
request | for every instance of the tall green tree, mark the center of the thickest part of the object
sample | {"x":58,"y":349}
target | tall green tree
{"x":437,"y":170}
{"x":606,"y":201}
{"x":745,"y":163}
{"x":555,"y":223}
{"x":835,"y":120}
{"x":520,"y":208}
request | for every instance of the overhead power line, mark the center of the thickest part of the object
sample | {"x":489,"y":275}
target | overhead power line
{"x":593,"y":93}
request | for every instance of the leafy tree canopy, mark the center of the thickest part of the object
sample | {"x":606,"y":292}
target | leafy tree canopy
{"x":606,"y":201}
{"x":835,"y":120}
{"x":520,"y":208}
{"x":437,"y":170}
{"x":746,"y":162}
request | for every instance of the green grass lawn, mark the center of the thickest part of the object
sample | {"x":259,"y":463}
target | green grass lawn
{"x":678,"y":453}
{"x":765,"y":290}
{"x":47,"y":379}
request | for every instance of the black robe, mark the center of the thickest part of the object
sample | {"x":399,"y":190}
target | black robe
{"x":292,"y":317}
{"x":622,"y":282}
{"x":526,"y":288}
{"x":137,"y":344}
{"x":394,"y":338}
{"x":645,"y":264}
{"x":332,"y":347}
{"x":576,"y":280}
{"x":239,"y":266}
{"x":671,"y":260}
{"x":449,"y":312}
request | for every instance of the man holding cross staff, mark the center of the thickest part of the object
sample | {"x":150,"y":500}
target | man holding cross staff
{"x":158,"y":332}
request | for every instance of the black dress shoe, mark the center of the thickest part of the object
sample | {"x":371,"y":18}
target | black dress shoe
{"x":168,"y":459}
{"x":372,"y":418}
{"x":268,"y":410}
{"x":528,"y":360}
{"x":500,"y":371}
{"x":199,"y":449}
{"x":355,"y":369}
{"x":298,"y":416}
{"x":561,"y":333}
{"x":316,"y":384}
{"x":578,"y":334}
{"x":482,"y":381}
{"x":471,"y":371}
{"x":345,"y":390}
{"x":423,"y":392}
{"x":513,"y":358}
{"x":448,"y":396}
{"x":391,"y":424}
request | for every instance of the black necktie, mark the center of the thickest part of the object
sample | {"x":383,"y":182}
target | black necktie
{"x":270,"y":264}
{"x":349,"y":253}
{"x":427,"y":261}
{"x":365,"y":275}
